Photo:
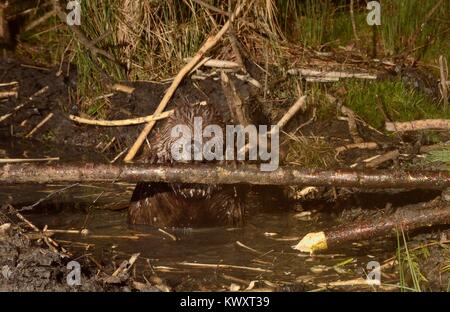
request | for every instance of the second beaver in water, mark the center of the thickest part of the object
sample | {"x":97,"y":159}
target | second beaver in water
{"x":185,"y":205}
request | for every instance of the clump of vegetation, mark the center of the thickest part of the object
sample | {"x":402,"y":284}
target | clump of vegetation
{"x":441,"y":156}
{"x":399,"y":102}
{"x":412,"y":265}
{"x":311,"y":152}
{"x":408,"y":265}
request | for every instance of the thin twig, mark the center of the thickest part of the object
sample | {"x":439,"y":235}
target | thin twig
{"x":211,"y":7}
{"x":217,"y":63}
{"x":223,"y":266}
{"x":28,"y":100}
{"x":9,"y":84}
{"x":26,"y":160}
{"x":39,"y":125}
{"x":352,"y":15}
{"x":40,"y":20}
{"x":443,"y":83}
{"x":30,"y":207}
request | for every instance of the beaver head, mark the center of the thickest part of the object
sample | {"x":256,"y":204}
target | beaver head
{"x":186,"y":118}
{"x":161,"y":153}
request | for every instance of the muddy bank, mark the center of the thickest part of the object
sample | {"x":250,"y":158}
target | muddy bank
{"x":30,"y":265}
{"x":60,"y":99}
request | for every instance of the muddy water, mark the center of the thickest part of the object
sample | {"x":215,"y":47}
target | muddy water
{"x":270,"y":237}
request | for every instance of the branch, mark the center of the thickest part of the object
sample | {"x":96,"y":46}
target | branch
{"x":122,"y":122}
{"x":208,"y":174}
{"x":417,"y":125}
{"x":233,"y":100}
{"x":215,"y":63}
{"x":407,"y":218}
{"x":306,"y":72}
{"x":375,"y":162}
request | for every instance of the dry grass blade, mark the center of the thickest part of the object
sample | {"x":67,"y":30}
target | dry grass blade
{"x":223,"y":266}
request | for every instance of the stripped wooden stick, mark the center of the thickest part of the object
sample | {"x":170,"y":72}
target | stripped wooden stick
{"x":39,"y":125}
{"x":418,"y":125}
{"x":122,"y":122}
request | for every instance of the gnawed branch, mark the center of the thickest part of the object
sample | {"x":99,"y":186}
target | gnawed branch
{"x":333,"y":75}
{"x":407,"y":218}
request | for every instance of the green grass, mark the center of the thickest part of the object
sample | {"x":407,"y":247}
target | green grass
{"x":400,"y":102}
{"x":402,"y":19}
{"x":55,"y":37}
{"x":408,"y":265}
{"x":439,"y":156}
{"x":315,"y":23}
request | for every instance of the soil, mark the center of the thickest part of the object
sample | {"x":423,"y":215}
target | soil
{"x":29,"y":265}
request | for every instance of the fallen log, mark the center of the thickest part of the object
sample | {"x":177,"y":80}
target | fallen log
{"x":407,"y":218}
{"x":208,"y":174}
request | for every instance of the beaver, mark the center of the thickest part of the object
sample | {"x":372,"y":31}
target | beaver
{"x":185,"y":205}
